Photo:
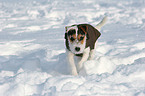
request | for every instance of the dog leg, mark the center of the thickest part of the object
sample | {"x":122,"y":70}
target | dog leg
{"x":71,"y":63}
{"x":91,"y":55}
{"x":92,"y":52}
{"x":84,"y":58}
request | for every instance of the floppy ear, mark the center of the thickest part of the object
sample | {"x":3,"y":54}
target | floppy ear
{"x":87,"y":35}
{"x":66,"y":29}
{"x":85,"y":29}
{"x":65,"y":32}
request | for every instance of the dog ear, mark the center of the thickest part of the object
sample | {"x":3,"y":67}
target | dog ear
{"x":66,"y":29}
{"x":87,"y":35}
{"x":65,"y":36}
{"x":85,"y":29}
{"x":65,"y":32}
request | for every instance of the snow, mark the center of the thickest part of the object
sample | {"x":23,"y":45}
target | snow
{"x":32,"y":51}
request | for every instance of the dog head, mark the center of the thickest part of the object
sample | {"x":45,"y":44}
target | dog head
{"x":76,"y":36}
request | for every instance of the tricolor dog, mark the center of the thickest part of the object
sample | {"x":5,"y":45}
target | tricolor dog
{"x":80,"y":41}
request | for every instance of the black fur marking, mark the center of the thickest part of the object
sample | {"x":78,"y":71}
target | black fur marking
{"x":81,"y":38}
{"x":65,"y":36}
{"x":87,"y":36}
{"x":79,"y":55}
{"x":66,"y":41}
{"x":84,"y":27}
{"x":80,"y":31}
{"x":72,"y":39}
{"x":71,"y":32}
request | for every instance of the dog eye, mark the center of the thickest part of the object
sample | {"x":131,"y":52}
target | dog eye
{"x":72,"y":39}
{"x":81,"y":38}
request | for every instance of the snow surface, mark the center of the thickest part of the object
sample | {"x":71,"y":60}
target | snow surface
{"x":32,"y":51}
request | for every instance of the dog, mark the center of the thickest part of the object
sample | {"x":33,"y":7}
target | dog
{"x":80,"y":41}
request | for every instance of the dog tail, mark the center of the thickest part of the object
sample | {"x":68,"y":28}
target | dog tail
{"x":102,"y":23}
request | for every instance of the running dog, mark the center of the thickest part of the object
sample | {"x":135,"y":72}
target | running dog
{"x":80,"y":41}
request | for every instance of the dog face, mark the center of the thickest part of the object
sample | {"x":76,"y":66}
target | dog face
{"x":77,"y":38}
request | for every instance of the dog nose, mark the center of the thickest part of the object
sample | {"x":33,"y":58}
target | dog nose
{"x":77,"y":49}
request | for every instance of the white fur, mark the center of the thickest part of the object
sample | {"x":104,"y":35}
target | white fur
{"x":92,"y":52}
{"x":84,"y":58}
{"x":77,"y":44}
{"x":91,"y":55}
{"x":74,"y":69}
{"x":71,"y":62}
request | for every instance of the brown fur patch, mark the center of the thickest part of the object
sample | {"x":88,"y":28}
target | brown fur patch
{"x":80,"y":38}
{"x":72,"y":36}
{"x":84,"y":30}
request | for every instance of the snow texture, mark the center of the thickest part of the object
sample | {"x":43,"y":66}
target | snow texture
{"x":32,"y":51}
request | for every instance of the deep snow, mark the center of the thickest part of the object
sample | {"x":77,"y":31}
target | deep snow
{"x":32,"y":51}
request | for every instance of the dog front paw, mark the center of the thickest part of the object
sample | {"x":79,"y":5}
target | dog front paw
{"x":74,"y":72}
{"x":80,"y":65}
{"x":90,"y":58}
